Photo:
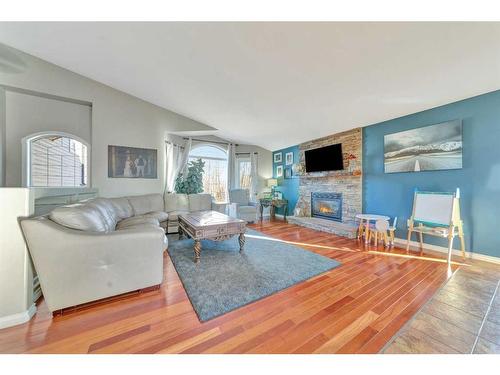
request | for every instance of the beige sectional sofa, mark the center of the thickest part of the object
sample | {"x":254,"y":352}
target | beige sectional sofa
{"x":97,"y":249}
{"x":176,"y":204}
{"x":104,"y":246}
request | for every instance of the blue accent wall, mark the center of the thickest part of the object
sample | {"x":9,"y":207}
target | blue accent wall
{"x":479,"y":179}
{"x":288,"y":186}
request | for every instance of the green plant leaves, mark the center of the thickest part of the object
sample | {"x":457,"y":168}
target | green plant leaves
{"x":193,"y":182}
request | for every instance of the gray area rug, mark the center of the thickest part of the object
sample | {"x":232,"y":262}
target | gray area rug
{"x":226,"y":279}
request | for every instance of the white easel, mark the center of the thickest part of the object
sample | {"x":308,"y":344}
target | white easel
{"x":436,"y":214}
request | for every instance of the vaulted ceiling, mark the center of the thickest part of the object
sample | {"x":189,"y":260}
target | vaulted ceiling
{"x":276,"y":84}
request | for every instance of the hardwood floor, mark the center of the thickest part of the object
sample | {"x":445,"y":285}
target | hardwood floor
{"x":355,"y":308}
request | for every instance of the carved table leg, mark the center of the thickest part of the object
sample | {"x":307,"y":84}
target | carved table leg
{"x":197,"y":250}
{"x":242,"y":241}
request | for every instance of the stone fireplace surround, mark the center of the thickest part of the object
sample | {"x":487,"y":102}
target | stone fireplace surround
{"x":347,"y":182}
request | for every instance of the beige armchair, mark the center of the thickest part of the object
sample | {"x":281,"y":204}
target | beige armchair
{"x":240,"y":205}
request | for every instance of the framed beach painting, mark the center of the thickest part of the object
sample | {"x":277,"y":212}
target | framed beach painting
{"x":430,"y":148}
{"x":278,"y":157}
{"x":132,"y":162}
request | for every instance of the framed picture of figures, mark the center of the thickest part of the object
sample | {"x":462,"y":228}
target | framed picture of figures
{"x":131,"y":162}
{"x":429,"y":148}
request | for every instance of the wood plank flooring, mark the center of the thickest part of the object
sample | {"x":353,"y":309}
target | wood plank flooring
{"x":355,"y":308}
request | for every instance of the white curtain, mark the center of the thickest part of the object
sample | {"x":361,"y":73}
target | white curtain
{"x":177,"y":158}
{"x":231,"y":167}
{"x":184,"y":158}
{"x":254,"y":173}
{"x":173,"y":152}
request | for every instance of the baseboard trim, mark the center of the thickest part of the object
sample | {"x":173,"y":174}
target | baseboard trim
{"x":414,"y":245}
{"x":19,"y":318}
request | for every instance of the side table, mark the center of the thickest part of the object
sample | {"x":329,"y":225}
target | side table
{"x":273,"y":204}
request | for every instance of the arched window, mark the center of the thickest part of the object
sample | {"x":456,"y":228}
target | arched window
{"x":55,"y":160}
{"x":215,"y":175}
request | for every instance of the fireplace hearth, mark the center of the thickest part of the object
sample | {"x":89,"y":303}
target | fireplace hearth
{"x":326,"y":205}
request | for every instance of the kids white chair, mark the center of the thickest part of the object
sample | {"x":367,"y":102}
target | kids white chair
{"x":392,"y":229}
{"x":383,"y":231}
{"x":379,"y":232}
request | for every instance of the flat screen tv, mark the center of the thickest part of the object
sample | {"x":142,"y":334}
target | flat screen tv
{"x":323,"y":159}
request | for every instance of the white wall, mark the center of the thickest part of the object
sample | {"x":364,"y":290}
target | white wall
{"x":28,"y":114}
{"x":2,"y":137}
{"x":117,"y":118}
{"x":16,"y":279}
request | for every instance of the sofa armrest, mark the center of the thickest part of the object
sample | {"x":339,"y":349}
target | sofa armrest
{"x":76,"y":267}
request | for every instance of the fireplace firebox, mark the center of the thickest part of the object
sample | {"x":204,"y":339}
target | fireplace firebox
{"x":327,"y":206}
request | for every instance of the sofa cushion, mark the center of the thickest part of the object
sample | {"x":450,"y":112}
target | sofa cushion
{"x":137,"y":226}
{"x":79,"y":216}
{"x":158,"y":215}
{"x":142,"y":204}
{"x":174,"y":215}
{"x":106,"y":210}
{"x":122,"y":207}
{"x":200,"y":202}
{"x":137,"y":220}
{"x":176,"y":202}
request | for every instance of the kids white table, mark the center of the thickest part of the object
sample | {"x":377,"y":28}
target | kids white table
{"x":365,"y":219}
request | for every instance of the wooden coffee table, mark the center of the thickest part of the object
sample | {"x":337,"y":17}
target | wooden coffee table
{"x":210,"y":225}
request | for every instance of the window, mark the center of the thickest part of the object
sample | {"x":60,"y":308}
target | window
{"x":215,"y":174}
{"x":244,"y":173}
{"x":56,"y":160}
